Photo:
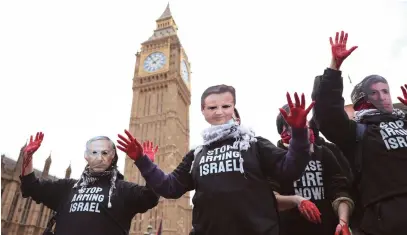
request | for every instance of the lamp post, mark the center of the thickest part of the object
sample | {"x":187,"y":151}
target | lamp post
{"x":149,"y":230}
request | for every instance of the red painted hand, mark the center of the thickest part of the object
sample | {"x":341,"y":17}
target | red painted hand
{"x":149,"y":150}
{"x":130,"y":146}
{"x":298,"y":114}
{"x":31,"y":148}
{"x":404,"y":90}
{"x":339,"y":51}
{"x":342,"y":229}
{"x":310,"y":211}
{"x":35,"y":144}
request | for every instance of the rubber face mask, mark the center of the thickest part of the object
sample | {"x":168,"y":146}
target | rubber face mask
{"x":99,"y":155}
{"x":218,"y":108}
{"x":379,"y":95}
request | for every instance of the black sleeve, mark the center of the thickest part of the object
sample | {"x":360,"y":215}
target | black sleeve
{"x":48,"y":192}
{"x":342,"y":160}
{"x":139,"y":199}
{"x":172,"y":185}
{"x":330,"y":114}
{"x":282,"y":164}
{"x":337,"y":185}
{"x":274,"y":185}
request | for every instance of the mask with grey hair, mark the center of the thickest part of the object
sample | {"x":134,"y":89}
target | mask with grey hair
{"x":98,"y":157}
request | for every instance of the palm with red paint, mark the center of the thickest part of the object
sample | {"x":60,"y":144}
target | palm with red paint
{"x":339,"y":51}
{"x":130,"y":146}
{"x":297,"y":118}
{"x":31,"y":148}
{"x":149,"y":150}
{"x":310,"y":211}
{"x":404,"y":90}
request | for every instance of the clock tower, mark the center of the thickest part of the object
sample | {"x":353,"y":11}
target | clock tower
{"x":160,"y":113}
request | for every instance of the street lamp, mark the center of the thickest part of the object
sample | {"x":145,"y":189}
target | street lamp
{"x":149,"y":230}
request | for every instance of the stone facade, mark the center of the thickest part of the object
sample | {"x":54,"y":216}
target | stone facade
{"x":160,"y":113}
{"x":22,"y":216}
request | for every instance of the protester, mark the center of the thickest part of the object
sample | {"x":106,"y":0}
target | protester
{"x":375,"y":142}
{"x":322,"y":188}
{"x":101,"y":202}
{"x":348,"y":168}
{"x":228,"y":172}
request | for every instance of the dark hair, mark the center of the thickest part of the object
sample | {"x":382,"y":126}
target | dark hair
{"x":237,"y":113}
{"x":280,"y":122}
{"x":218,"y":89}
{"x":370,"y":80}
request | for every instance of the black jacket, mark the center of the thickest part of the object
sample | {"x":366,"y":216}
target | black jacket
{"x":87,"y":212}
{"x":382,"y":140}
{"x":227,"y":200}
{"x":322,"y":182}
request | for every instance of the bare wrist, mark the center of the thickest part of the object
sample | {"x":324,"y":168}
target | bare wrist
{"x":343,"y":221}
{"x":298,"y":200}
{"x":333,"y":64}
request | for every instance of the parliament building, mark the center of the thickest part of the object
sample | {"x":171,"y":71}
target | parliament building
{"x":22,"y":216}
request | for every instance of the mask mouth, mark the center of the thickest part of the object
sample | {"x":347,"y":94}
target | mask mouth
{"x":98,"y":166}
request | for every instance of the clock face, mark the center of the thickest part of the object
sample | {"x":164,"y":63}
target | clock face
{"x":154,"y":62}
{"x":184,"y":71}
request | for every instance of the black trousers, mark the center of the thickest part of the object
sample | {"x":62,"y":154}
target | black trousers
{"x":387,"y":217}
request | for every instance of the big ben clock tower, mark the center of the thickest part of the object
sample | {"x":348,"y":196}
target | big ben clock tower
{"x":160,"y":113}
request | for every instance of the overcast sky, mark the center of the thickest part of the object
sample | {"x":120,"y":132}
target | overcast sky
{"x":66,"y":67}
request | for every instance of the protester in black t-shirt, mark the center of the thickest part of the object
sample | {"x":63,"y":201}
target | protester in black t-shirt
{"x":100,"y":203}
{"x":375,"y":142}
{"x":229,"y":170}
{"x":322,"y":189}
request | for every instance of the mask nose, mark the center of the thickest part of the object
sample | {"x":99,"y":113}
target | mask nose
{"x":218,"y":112}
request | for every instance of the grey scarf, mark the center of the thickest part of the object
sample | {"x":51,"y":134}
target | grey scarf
{"x":360,"y":115}
{"x":243,"y":137}
{"x":88,"y":178}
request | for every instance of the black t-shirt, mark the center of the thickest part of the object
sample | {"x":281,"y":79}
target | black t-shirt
{"x":229,"y":198}
{"x":85,"y":211}
{"x":227,"y":201}
{"x":384,"y":150}
{"x":322,"y":182}
{"x":384,"y":159}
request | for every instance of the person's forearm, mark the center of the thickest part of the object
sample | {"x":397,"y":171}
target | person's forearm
{"x":333,"y":64}
{"x":344,"y":212}
{"x":297,"y":156}
{"x":166,"y":185}
{"x":287,"y":202}
{"x":26,"y":170}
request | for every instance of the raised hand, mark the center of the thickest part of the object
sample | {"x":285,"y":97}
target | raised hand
{"x":342,"y":229}
{"x":35,"y":144}
{"x":130,"y":146}
{"x":404,"y":90}
{"x":310,"y":211}
{"x":149,"y":149}
{"x":298,"y":114}
{"x":30,"y":149}
{"x":339,"y":51}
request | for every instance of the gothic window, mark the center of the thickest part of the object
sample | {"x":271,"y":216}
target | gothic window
{"x":13,"y":206}
{"x":44,"y":218}
{"x":2,"y":189}
{"x":155,"y":226}
{"x":40,"y":215}
{"x":26,"y":210}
